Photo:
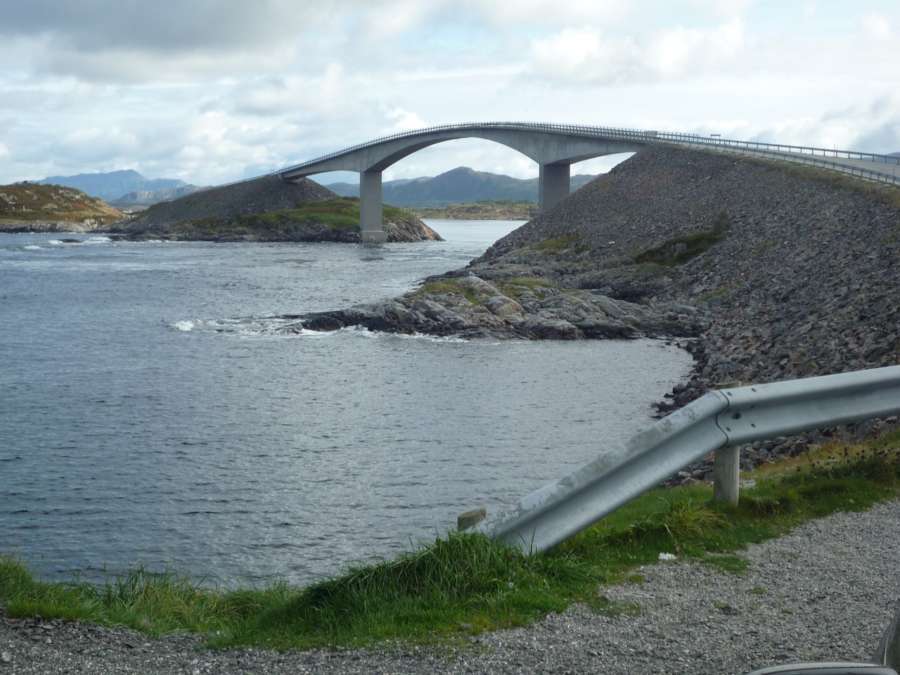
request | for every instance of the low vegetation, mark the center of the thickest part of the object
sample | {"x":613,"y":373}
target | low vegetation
{"x":465,"y":583}
{"x":450,"y":287}
{"x":33,"y":203}
{"x":516,"y":287}
{"x":562,"y":243}
{"x":340,"y":214}
{"x":679,"y":250}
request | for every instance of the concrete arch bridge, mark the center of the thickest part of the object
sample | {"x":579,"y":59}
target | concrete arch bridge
{"x":555,"y":147}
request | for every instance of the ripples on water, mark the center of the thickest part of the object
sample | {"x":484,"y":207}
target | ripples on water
{"x":151,"y":414}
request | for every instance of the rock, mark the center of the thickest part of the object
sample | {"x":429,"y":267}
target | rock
{"x":548,"y":329}
{"x":504,"y":307}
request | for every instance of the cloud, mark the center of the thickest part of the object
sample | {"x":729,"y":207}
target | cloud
{"x":404,"y":120}
{"x":872,"y":127}
{"x":210,"y":90}
{"x":587,"y":55}
{"x":163,"y":26}
{"x":544,"y":12}
{"x":877,"y":26}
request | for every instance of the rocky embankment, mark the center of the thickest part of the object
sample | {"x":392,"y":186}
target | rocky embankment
{"x":30,"y":207}
{"x":780,"y":271}
{"x":266,"y":209}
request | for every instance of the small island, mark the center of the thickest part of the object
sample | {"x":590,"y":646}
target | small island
{"x":267,"y":209}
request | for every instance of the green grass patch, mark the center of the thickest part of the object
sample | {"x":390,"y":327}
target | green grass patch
{"x":515,"y":287}
{"x":559,"y":244}
{"x":679,"y":250}
{"x":464,"y":583}
{"x":449,"y":287}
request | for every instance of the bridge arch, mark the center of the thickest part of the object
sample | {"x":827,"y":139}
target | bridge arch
{"x":554,"y":149}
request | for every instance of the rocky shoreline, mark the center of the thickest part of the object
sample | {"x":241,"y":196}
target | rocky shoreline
{"x":779,"y":271}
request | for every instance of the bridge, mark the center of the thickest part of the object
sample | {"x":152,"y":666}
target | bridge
{"x":555,"y":147}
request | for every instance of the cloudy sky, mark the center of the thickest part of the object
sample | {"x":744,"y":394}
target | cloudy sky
{"x":216,"y":90}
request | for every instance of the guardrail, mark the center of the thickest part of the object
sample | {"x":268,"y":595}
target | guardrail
{"x":716,"y":422}
{"x":798,"y":153}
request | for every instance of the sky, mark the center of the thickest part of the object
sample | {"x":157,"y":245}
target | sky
{"x":212,"y":91}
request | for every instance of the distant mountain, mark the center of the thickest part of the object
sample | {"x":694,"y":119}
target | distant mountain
{"x":894,"y":154}
{"x":457,"y":186}
{"x":114,"y":184}
{"x":151,"y":197}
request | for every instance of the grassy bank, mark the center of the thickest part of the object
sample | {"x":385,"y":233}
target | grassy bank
{"x":465,"y":583}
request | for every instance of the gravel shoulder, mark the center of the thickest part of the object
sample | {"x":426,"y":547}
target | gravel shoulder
{"x":824,"y":592}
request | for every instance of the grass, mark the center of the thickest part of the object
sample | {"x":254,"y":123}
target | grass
{"x":450,"y":287}
{"x":679,"y":250}
{"x":515,"y":287}
{"x":464,"y":583}
{"x":31,"y":202}
{"x":560,"y":244}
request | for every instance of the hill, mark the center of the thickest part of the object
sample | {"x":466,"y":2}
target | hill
{"x":114,"y":184}
{"x":266,"y":209}
{"x":52,"y":208}
{"x":143,"y":198}
{"x":781,"y":271}
{"x":494,"y":210}
{"x":460,"y":185}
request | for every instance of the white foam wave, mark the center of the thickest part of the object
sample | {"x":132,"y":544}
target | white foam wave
{"x":97,"y":240}
{"x":32,"y":247}
{"x":55,"y":242}
{"x":364,"y":332}
{"x":273,"y":327}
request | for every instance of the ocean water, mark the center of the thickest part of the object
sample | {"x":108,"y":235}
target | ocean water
{"x":152,"y":414}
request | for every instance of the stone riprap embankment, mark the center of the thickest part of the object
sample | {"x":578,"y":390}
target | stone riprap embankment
{"x":266,"y":209}
{"x":780,"y":271}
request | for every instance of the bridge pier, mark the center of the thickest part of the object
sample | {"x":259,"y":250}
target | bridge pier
{"x":371,"y":224}
{"x":553,"y":184}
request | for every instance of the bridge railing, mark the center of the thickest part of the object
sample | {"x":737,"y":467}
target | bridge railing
{"x":716,"y":422}
{"x":802,"y":153}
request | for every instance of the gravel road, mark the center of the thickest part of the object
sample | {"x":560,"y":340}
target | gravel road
{"x":825,"y":592}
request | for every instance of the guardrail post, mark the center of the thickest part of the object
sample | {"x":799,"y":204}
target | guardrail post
{"x":727,"y":475}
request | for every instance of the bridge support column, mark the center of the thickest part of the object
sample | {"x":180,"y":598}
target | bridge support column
{"x":371,"y":225}
{"x":553,"y":185}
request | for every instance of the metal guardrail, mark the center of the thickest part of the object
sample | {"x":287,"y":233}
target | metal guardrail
{"x":824,"y":157}
{"x":716,"y":422}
